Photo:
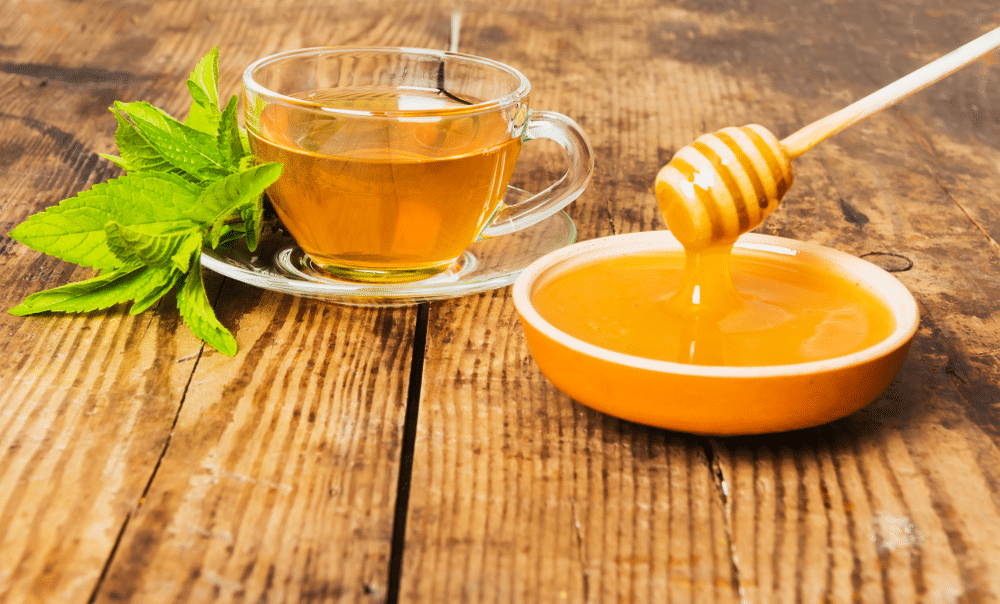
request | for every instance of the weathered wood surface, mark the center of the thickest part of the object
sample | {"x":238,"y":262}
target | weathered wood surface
{"x":137,"y":465}
{"x":417,"y":454}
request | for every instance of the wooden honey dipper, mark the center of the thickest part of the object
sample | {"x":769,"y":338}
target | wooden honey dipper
{"x":727,"y":182}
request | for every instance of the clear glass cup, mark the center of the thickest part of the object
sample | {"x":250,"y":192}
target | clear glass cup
{"x":396,"y":159}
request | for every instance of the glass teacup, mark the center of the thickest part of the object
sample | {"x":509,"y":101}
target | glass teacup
{"x":396,"y":159}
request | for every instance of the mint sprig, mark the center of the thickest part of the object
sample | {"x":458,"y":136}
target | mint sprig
{"x":186,"y":185}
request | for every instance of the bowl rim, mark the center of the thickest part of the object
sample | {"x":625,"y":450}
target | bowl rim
{"x":886,"y":287}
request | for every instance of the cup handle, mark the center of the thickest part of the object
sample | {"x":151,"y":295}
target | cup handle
{"x":566,"y":132}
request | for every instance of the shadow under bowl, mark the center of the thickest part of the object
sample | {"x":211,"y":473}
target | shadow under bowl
{"x":718,"y":400}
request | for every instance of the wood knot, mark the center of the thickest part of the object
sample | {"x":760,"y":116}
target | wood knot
{"x":888,"y":261}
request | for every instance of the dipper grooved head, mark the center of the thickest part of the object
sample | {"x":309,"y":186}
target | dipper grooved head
{"x":723,"y":185}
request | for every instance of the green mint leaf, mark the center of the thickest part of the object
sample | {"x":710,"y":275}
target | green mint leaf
{"x":137,"y":154}
{"x":115,"y":160}
{"x":230,"y":138}
{"x":188,"y":252}
{"x":103,"y":291}
{"x":167,"y":245}
{"x":247,"y":191}
{"x":245,"y":141}
{"x":223,"y":200}
{"x":69,"y":232}
{"x":74,"y":230}
{"x":185,"y":183}
{"x":253,"y":216}
{"x":204,"y":114}
{"x":203,"y":85}
{"x":150,"y":295}
{"x":153,"y":197}
{"x":196,"y":310}
{"x":205,"y":76}
{"x":192,"y":152}
{"x":247,"y":162}
{"x":232,"y":234}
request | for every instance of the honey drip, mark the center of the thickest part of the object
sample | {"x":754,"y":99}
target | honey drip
{"x":705,"y":297}
{"x":711,"y":192}
{"x":708,"y":310}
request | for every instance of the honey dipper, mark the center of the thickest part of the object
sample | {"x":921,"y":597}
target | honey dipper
{"x":727,"y":182}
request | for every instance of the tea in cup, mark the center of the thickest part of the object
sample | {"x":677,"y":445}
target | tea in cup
{"x":396,"y":160}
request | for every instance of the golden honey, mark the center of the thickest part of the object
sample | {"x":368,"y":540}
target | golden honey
{"x":742,"y":309}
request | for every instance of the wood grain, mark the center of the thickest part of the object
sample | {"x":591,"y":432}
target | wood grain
{"x":182,"y":474}
{"x":874,"y":508}
{"x":138,"y":466}
{"x":279,"y":480}
{"x":518,"y":493}
{"x":78,"y":424}
{"x":859,"y":511}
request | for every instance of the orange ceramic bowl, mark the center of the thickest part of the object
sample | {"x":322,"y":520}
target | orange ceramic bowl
{"x":716,"y":399}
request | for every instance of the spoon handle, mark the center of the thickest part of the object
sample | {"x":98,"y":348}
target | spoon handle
{"x":806,"y":138}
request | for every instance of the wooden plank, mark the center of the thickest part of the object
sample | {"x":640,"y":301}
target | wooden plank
{"x":80,"y":429}
{"x":135,"y":463}
{"x":279,"y":480}
{"x":80,"y":432}
{"x":864,"y":510}
{"x":519,"y":493}
{"x":875,"y":508}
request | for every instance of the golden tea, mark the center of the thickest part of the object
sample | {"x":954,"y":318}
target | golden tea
{"x":785,"y":312}
{"x":373,"y":199}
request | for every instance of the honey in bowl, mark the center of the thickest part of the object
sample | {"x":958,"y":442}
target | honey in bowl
{"x":676,"y":330}
{"x":761,"y":396}
{"x":743,"y":311}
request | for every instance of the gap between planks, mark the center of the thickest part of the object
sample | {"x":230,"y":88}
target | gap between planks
{"x":407,"y":447}
{"x":156,"y":467}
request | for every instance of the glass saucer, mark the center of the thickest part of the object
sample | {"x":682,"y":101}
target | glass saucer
{"x":279,"y":265}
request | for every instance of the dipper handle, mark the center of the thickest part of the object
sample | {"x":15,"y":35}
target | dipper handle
{"x":806,"y":138}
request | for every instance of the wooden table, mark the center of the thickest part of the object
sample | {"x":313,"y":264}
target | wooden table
{"x":418,"y":454}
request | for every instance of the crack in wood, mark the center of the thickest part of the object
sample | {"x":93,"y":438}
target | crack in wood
{"x":578,"y":533}
{"x":709,"y":445}
{"x":152,"y":475}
